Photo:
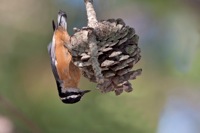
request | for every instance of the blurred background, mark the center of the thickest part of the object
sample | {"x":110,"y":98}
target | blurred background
{"x":165,"y":98}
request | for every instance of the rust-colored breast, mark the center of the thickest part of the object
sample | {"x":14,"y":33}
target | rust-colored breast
{"x":67,"y":71}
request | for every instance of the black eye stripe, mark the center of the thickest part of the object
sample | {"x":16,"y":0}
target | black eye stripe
{"x":73,"y":93}
{"x":60,"y":20}
{"x":65,"y":15}
{"x":69,"y":94}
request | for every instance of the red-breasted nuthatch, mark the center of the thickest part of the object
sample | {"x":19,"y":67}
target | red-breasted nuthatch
{"x":66,"y":74}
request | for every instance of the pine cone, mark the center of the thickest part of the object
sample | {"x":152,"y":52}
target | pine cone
{"x":106,"y":54}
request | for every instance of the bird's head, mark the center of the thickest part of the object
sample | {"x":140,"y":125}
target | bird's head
{"x":72,"y":95}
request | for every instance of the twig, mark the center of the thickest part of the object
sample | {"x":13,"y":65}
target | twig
{"x":19,"y":115}
{"x":91,"y":14}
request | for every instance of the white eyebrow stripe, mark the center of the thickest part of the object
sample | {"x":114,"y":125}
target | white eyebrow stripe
{"x":72,"y":96}
{"x":68,"y":97}
{"x":63,"y":98}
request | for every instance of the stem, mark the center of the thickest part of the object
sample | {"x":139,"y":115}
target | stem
{"x":94,"y":58}
{"x":91,"y":14}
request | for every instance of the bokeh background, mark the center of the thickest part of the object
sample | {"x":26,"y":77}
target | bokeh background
{"x":165,"y":98}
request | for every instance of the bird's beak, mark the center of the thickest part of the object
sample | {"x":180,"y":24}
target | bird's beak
{"x":62,"y":19}
{"x":84,"y":91}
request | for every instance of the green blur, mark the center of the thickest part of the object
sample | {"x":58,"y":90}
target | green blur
{"x":169,"y":65}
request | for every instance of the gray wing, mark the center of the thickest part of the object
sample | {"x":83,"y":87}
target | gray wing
{"x":49,"y":48}
{"x":53,"y":60}
{"x":53,"y":66}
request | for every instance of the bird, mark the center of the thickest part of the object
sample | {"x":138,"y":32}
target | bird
{"x":66,"y":74}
